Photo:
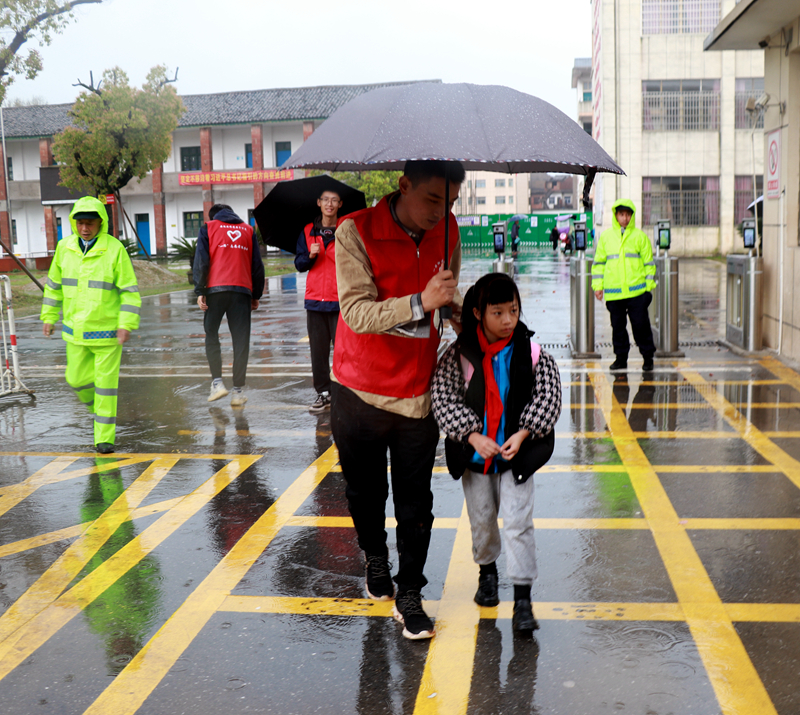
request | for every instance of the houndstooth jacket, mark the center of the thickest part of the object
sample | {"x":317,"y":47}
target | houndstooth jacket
{"x":458,"y":421}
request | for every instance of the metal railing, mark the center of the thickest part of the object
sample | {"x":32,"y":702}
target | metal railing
{"x":672,"y":17}
{"x":682,"y":208}
{"x":10,"y":380}
{"x":680,"y":111}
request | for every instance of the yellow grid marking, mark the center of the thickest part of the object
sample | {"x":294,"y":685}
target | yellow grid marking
{"x":736,"y":683}
{"x":36,"y":631}
{"x":140,"y":677}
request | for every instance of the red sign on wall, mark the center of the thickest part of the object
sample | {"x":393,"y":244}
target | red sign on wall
{"x":774,"y":164}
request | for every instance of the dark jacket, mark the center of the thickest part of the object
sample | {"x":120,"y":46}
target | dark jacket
{"x":534,"y":403}
{"x":202,"y":262}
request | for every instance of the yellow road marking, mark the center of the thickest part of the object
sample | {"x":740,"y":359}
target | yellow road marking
{"x":134,"y":684}
{"x":66,"y":567}
{"x":26,"y":639}
{"x":736,"y":683}
{"x":446,"y":678}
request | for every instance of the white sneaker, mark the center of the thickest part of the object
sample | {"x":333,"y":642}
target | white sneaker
{"x":238,"y":397}
{"x":218,"y":390}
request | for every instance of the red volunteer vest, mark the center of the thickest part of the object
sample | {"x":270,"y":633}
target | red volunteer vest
{"x":321,"y":280}
{"x":391,"y":365}
{"x":230,"y":249}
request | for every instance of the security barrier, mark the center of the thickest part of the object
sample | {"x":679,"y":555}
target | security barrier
{"x":10,"y":382}
{"x":744,"y":315}
{"x":664,"y":308}
{"x":581,"y":304}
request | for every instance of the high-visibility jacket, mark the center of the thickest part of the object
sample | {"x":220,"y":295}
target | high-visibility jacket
{"x":96,"y":291}
{"x":623,"y":262}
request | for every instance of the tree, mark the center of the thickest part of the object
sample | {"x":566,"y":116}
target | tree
{"x":23,"y":19}
{"x":374,"y":184}
{"x":119,"y":133}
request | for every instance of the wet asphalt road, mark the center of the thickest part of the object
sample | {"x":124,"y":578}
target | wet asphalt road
{"x":210,"y":565}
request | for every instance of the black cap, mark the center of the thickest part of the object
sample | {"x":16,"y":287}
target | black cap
{"x":86,"y":214}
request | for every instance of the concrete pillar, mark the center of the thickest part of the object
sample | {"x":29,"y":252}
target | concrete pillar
{"x":159,"y":210}
{"x":50,"y":225}
{"x":206,"y":164}
{"x":257,"y":142}
{"x":5,"y":221}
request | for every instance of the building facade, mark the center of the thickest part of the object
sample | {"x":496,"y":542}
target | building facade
{"x":228,"y":148}
{"x":492,"y":192}
{"x":771,"y":28}
{"x":673,"y":117}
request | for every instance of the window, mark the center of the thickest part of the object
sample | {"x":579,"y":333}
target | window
{"x":480,"y":183}
{"x":587,"y":96}
{"x":567,"y":200}
{"x":469,"y":183}
{"x":510,"y":183}
{"x":680,"y":105}
{"x":499,"y":199}
{"x":283,"y":150}
{"x":511,"y":199}
{"x":9,"y":169}
{"x":498,"y":183}
{"x":587,"y":127}
{"x":745,"y":89}
{"x":190,"y":158}
{"x":14,"y":232}
{"x":673,"y":17}
{"x":684,"y":200}
{"x":481,"y":200}
{"x":192,"y":221}
{"x":743,"y":195}
{"x":248,"y":156}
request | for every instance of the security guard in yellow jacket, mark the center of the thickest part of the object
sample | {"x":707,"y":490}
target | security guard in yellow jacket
{"x":91,"y":280}
{"x":623,"y":271}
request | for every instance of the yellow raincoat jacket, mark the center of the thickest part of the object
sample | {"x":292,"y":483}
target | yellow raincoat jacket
{"x":623,"y":262}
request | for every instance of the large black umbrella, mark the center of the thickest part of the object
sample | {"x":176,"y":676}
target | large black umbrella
{"x":485,"y":127}
{"x":291,"y":205}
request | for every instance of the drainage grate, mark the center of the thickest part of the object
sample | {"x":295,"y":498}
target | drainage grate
{"x":688,"y":344}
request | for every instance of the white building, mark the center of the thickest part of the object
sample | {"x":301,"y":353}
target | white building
{"x":491,"y":192}
{"x":673,"y":117}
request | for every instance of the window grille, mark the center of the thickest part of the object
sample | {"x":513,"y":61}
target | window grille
{"x":683,"y":110}
{"x":747,"y":88}
{"x":676,"y":17}
{"x":192,"y":221}
{"x":683,"y":200}
{"x":743,"y":195}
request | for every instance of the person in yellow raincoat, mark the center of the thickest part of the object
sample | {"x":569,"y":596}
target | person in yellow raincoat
{"x":91,"y":281}
{"x":623,"y":272}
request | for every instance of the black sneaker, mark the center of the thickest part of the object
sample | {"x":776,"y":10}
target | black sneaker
{"x":322,"y":403}
{"x":408,"y":611}
{"x":487,"y":595}
{"x":647,"y":365}
{"x":619,"y":364}
{"x":523,"y":619}
{"x":104,"y":447}
{"x":379,"y":578}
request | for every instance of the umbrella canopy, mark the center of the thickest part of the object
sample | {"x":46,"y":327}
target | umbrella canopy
{"x":291,"y":205}
{"x":759,"y":200}
{"x":516,"y":217}
{"x":485,"y":127}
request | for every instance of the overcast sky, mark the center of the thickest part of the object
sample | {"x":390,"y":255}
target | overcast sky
{"x":529,"y":45}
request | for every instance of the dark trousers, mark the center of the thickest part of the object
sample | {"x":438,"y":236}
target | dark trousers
{"x":636,"y":309}
{"x":363,"y":434}
{"x":236,"y":308}
{"x":321,"y":335}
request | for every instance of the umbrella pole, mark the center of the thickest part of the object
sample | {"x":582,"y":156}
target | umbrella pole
{"x":446,"y":312}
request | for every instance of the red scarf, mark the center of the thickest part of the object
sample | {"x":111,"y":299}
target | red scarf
{"x":493,"y":401}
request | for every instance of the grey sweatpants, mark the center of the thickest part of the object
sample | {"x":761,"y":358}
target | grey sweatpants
{"x":488,"y":495}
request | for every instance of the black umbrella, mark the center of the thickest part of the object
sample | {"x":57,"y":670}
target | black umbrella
{"x":485,"y":127}
{"x":291,"y":205}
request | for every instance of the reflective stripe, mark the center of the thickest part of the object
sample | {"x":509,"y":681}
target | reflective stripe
{"x":612,"y":256}
{"x":130,"y":309}
{"x":129,"y":289}
{"x":105,"y":420}
{"x":613,"y":290}
{"x":66,"y":329}
{"x":69,"y":281}
{"x":52,"y":284}
{"x":51,"y":301}
{"x":102,"y":285}
{"x":632,"y":255}
{"x":651,"y":263}
{"x":100,"y":334}
{"x":107,"y":391}
{"x":598,"y":263}
{"x":83,"y":387}
{"x":638,"y":286}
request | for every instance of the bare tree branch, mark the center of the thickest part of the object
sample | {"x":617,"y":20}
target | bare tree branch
{"x":90,"y":86}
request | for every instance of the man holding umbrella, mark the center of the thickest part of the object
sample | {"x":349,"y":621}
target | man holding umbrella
{"x":390,"y":271}
{"x":315,"y":254}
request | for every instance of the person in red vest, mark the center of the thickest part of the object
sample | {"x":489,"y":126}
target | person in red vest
{"x":315,"y":254}
{"x":229,"y":281}
{"x":391,"y":278}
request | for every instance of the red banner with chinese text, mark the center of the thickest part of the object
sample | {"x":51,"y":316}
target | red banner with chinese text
{"x":261,"y":176}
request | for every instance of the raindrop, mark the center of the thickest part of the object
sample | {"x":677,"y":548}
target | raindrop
{"x":225,"y":625}
{"x":235,"y":684}
{"x":569,"y":683}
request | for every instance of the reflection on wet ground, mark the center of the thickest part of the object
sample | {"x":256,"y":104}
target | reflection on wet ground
{"x":210,"y":566}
